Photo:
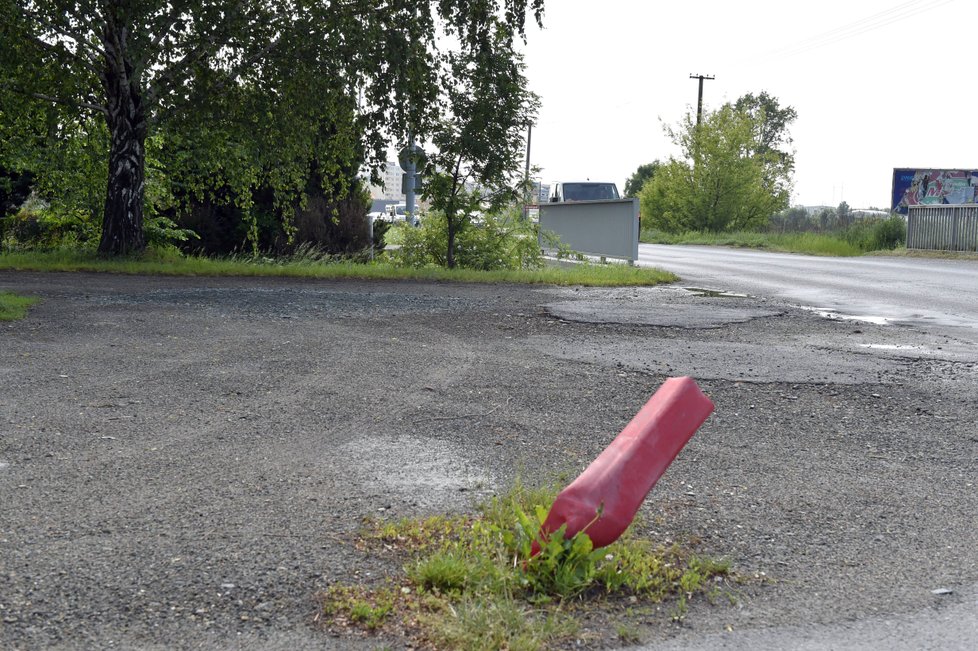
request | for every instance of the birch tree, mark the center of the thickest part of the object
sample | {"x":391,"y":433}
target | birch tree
{"x":138,"y":63}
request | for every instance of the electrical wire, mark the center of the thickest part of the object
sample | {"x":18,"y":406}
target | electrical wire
{"x":857,"y":28}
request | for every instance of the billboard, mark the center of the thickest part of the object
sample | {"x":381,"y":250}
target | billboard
{"x":913,"y":187}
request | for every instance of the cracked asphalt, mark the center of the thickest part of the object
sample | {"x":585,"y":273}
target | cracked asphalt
{"x":184,"y":461}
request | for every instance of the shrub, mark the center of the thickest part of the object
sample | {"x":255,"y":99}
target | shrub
{"x":860,"y":235}
{"x":890,"y":233}
{"x":51,"y":227}
{"x":498,"y":241}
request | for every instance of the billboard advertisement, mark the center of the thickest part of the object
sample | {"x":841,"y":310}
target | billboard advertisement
{"x":913,"y":187}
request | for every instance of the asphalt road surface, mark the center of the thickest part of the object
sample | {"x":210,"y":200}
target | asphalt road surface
{"x":185,"y":462}
{"x":923,"y":292}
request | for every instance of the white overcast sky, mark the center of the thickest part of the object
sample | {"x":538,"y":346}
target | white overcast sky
{"x":877,"y":84}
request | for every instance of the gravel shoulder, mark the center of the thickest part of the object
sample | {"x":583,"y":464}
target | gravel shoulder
{"x":183,"y":462}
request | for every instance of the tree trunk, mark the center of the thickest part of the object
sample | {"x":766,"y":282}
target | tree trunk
{"x":450,"y":256}
{"x":122,"y":221}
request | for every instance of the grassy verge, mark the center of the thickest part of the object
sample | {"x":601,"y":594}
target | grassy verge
{"x":928,"y":253}
{"x":177,"y":265}
{"x":13,"y":307}
{"x":468,"y":582}
{"x":810,"y":243}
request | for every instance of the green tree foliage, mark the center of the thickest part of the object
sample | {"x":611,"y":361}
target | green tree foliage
{"x":635,"y":182}
{"x":480,"y":134}
{"x":168,"y":66}
{"x":772,"y":137}
{"x":792,"y":219}
{"x":771,"y":123}
{"x":726,"y":179}
{"x":844,"y":214}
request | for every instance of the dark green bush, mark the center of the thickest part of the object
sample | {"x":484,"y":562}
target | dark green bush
{"x":889,"y":233}
{"x":860,"y":235}
{"x":50,"y":228}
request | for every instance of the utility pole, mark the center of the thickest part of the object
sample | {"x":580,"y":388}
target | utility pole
{"x":699,"y":101}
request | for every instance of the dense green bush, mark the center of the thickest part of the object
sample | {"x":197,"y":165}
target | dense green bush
{"x":50,"y":227}
{"x":56,"y":227}
{"x":859,"y":234}
{"x":498,"y":241}
{"x":877,"y":234}
{"x":890,"y":233}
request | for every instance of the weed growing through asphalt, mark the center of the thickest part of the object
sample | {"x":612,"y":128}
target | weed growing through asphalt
{"x":469,"y":581}
{"x":13,"y":307}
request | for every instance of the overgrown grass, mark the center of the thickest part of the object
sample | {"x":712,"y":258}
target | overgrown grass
{"x":469,"y":581}
{"x":174,"y":264}
{"x":13,"y":307}
{"x":810,"y":243}
{"x":856,"y":238}
{"x":928,"y":253}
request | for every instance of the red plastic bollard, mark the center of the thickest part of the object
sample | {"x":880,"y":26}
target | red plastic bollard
{"x":624,"y":473}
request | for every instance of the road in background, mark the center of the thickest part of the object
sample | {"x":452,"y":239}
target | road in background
{"x":936,"y":296}
{"x":934,"y":293}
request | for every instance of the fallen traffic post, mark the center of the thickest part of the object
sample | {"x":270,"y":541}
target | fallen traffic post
{"x":604,"y":499}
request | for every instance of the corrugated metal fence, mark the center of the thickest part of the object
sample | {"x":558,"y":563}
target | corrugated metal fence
{"x":947,"y":228}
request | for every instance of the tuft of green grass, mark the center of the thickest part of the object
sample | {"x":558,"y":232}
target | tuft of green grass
{"x":469,"y":581}
{"x":443,"y":572}
{"x":13,"y":307}
{"x":628,"y":633}
{"x":171,"y":263}
{"x":497,"y":624}
{"x":357,"y":606}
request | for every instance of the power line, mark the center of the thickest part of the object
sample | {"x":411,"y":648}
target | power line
{"x":856,"y":28}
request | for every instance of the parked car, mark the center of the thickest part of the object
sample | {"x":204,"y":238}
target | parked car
{"x":583,"y":191}
{"x":398,"y":213}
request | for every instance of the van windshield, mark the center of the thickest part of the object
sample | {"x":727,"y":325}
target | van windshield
{"x":590,"y":191}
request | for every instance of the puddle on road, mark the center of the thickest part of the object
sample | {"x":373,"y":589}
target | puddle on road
{"x":713,"y":293}
{"x":4,"y":465}
{"x":829,"y":313}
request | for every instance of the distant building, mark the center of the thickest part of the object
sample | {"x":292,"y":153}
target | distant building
{"x":868,"y":212}
{"x":814,"y":210}
{"x":540,"y":192}
{"x":855,"y":212}
{"x":390,"y":188}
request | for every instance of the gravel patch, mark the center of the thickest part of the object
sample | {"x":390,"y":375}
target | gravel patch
{"x":184,"y":462}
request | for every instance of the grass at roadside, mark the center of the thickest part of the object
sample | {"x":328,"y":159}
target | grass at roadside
{"x":810,"y":243}
{"x":611,"y":275}
{"x":928,"y":253}
{"x":13,"y":307}
{"x":468,"y":581}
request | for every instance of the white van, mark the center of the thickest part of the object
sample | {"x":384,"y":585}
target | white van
{"x":583,"y":191}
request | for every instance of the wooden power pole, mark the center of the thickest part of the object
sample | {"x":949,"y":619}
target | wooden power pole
{"x":699,"y":100}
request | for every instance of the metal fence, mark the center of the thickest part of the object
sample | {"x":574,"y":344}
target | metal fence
{"x":607,"y":228}
{"x":947,"y":228}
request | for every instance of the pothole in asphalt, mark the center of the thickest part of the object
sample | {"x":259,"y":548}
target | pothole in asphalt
{"x":829,"y":313}
{"x":713,"y":293}
{"x":639,"y":312}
